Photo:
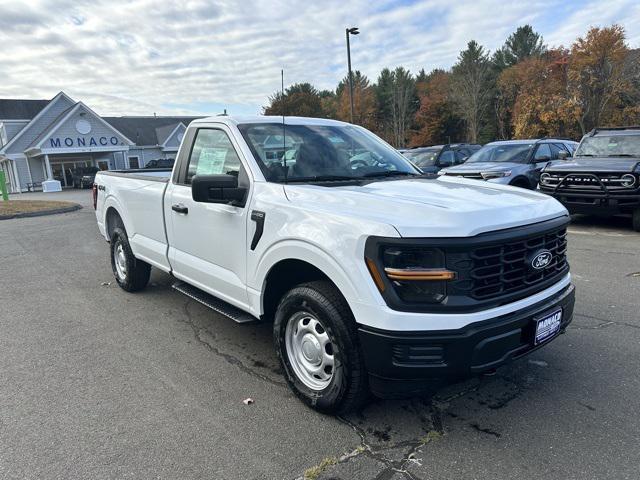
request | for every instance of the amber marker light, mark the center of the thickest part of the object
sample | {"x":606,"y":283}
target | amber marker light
{"x":373,"y":270}
{"x":415,"y":274}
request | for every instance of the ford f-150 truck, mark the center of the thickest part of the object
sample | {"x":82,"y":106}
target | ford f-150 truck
{"x":377,"y":277}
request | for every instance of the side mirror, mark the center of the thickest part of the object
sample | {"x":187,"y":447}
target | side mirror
{"x":218,"y":189}
{"x":543,"y":158}
{"x":563,"y":155}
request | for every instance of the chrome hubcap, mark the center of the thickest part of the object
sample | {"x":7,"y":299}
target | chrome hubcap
{"x":309,"y":350}
{"x":121,"y":262}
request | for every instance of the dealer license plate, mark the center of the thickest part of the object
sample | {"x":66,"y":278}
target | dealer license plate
{"x":547,"y":327}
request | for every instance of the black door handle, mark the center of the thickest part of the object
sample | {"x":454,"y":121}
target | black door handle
{"x":180,"y":208}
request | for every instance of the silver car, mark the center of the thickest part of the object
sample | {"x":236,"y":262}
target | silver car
{"x":513,"y":162}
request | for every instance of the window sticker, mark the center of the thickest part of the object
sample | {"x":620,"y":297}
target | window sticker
{"x":211,"y":161}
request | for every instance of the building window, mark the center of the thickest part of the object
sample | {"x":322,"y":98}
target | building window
{"x":103,"y":165}
{"x":134,"y":162}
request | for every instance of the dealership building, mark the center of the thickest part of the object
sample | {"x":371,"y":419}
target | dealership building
{"x":47,"y":139}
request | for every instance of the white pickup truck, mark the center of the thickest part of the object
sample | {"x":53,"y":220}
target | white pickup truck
{"x":377,"y":278}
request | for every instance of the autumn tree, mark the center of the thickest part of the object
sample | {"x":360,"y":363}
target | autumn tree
{"x":472,"y":88}
{"x":599,"y":75}
{"x":520,"y":45}
{"x":397,"y":103}
{"x":435,"y":120}
{"x":364,"y":101}
{"x":536,"y":90}
{"x":300,"y":99}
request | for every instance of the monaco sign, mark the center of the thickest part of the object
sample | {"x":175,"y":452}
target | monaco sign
{"x":80,"y":142}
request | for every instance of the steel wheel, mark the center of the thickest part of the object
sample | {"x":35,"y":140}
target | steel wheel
{"x":309,"y":350}
{"x":121,"y":262}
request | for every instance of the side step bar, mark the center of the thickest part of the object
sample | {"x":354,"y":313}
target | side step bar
{"x":214,"y":303}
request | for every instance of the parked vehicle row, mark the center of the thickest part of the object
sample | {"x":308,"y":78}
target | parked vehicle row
{"x":598,"y":176}
{"x":377,"y":278}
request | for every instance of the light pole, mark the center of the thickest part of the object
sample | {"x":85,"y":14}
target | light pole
{"x":350,"y":31}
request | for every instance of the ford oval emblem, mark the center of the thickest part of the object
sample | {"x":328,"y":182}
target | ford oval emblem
{"x":541,"y":260}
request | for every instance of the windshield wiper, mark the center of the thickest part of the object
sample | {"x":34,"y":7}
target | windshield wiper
{"x":623,"y":155}
{"x":389,"y":173}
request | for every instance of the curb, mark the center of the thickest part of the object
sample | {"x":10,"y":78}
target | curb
{"x":71,"y":208}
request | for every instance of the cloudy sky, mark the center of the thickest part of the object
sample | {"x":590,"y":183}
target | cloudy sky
{"x":201,"y":56}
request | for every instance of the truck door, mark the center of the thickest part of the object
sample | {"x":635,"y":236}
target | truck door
{"x":207,"y":241}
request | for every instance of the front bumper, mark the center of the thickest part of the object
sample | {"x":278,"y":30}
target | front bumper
{"x":403,"y":363}
{"x":596,"y":203}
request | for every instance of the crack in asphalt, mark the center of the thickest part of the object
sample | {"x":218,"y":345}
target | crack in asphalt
{"x":604,"y":323}
{"x":229,"y":358}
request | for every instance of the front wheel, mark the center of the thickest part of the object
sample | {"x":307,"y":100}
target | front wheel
{"x":316,"y":341}
{"x":636,"y":219}
{"x":131,"y":274}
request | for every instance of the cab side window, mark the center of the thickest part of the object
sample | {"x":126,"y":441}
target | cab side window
{"x":556,"y":149}
{"x":212,"y":154}
{"x":447,"y":158}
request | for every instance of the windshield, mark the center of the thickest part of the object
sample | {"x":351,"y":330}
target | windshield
{"x":307,"y":153}
{"x":424,"y":158}
{"x":515,"y":152}
{"x":609,"y":146}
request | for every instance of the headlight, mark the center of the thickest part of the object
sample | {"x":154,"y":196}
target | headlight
{"x":545,"y":179}
{"x":496,"y":174}
{"x":416,"y":274}
{"x":628,"y":180}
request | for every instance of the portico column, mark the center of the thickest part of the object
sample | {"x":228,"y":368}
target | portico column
{"x":48,"y":165}
{"x":17,"y":186}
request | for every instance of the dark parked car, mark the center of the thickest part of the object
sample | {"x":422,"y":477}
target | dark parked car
{"x":83,"y":177}
{"x":433,"y":159}
{"x":602,"y":178}
{"x":160,"y":163}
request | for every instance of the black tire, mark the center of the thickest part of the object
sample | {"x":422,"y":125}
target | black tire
{"x":521,"y":184}
{"x":135,"y":275}
{"x":635,"y":219}
{"x":348,"y":389}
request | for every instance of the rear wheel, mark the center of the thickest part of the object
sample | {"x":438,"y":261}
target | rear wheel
{"x":317,"y":344}
{"x":131,"y":274}
{"x":636,"y":219}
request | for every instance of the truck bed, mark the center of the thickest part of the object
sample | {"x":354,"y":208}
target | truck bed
{"x":138,"y":195}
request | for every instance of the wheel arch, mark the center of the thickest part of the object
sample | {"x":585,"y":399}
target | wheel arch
{"x":522,"y":182}
{"x":301,"y":264}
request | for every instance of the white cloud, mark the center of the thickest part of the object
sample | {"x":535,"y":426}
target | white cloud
{"x":144,"y":56}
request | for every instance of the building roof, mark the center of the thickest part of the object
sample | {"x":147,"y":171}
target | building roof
{"x":17,"y":109}
{"x":147,"y":130}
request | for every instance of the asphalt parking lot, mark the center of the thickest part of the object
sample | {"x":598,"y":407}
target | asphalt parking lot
{"x":97,"y":383}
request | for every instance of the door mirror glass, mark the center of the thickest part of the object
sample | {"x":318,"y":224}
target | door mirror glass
{"x":218,"y":189}
{"x":563,"y":154}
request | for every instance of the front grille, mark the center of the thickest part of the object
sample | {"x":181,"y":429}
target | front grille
{"x":601,"y":181}
{"x":498,"y":272}
{"x":476,"y":176}
{"x":505,"y":269}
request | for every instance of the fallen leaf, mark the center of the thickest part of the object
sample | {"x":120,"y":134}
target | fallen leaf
{"x":248,"y":401}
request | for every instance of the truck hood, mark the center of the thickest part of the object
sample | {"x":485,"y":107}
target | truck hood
{"x":595,"y":164}
{"x":477,"y":167}
{"x":443,"y":207}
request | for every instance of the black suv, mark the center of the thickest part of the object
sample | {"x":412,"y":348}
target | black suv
{"x":433,"y":159}
{"x":603,"y":176}
{"x":83,"y":177}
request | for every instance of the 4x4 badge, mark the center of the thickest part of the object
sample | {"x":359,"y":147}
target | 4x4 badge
{"x":541,"y":259}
